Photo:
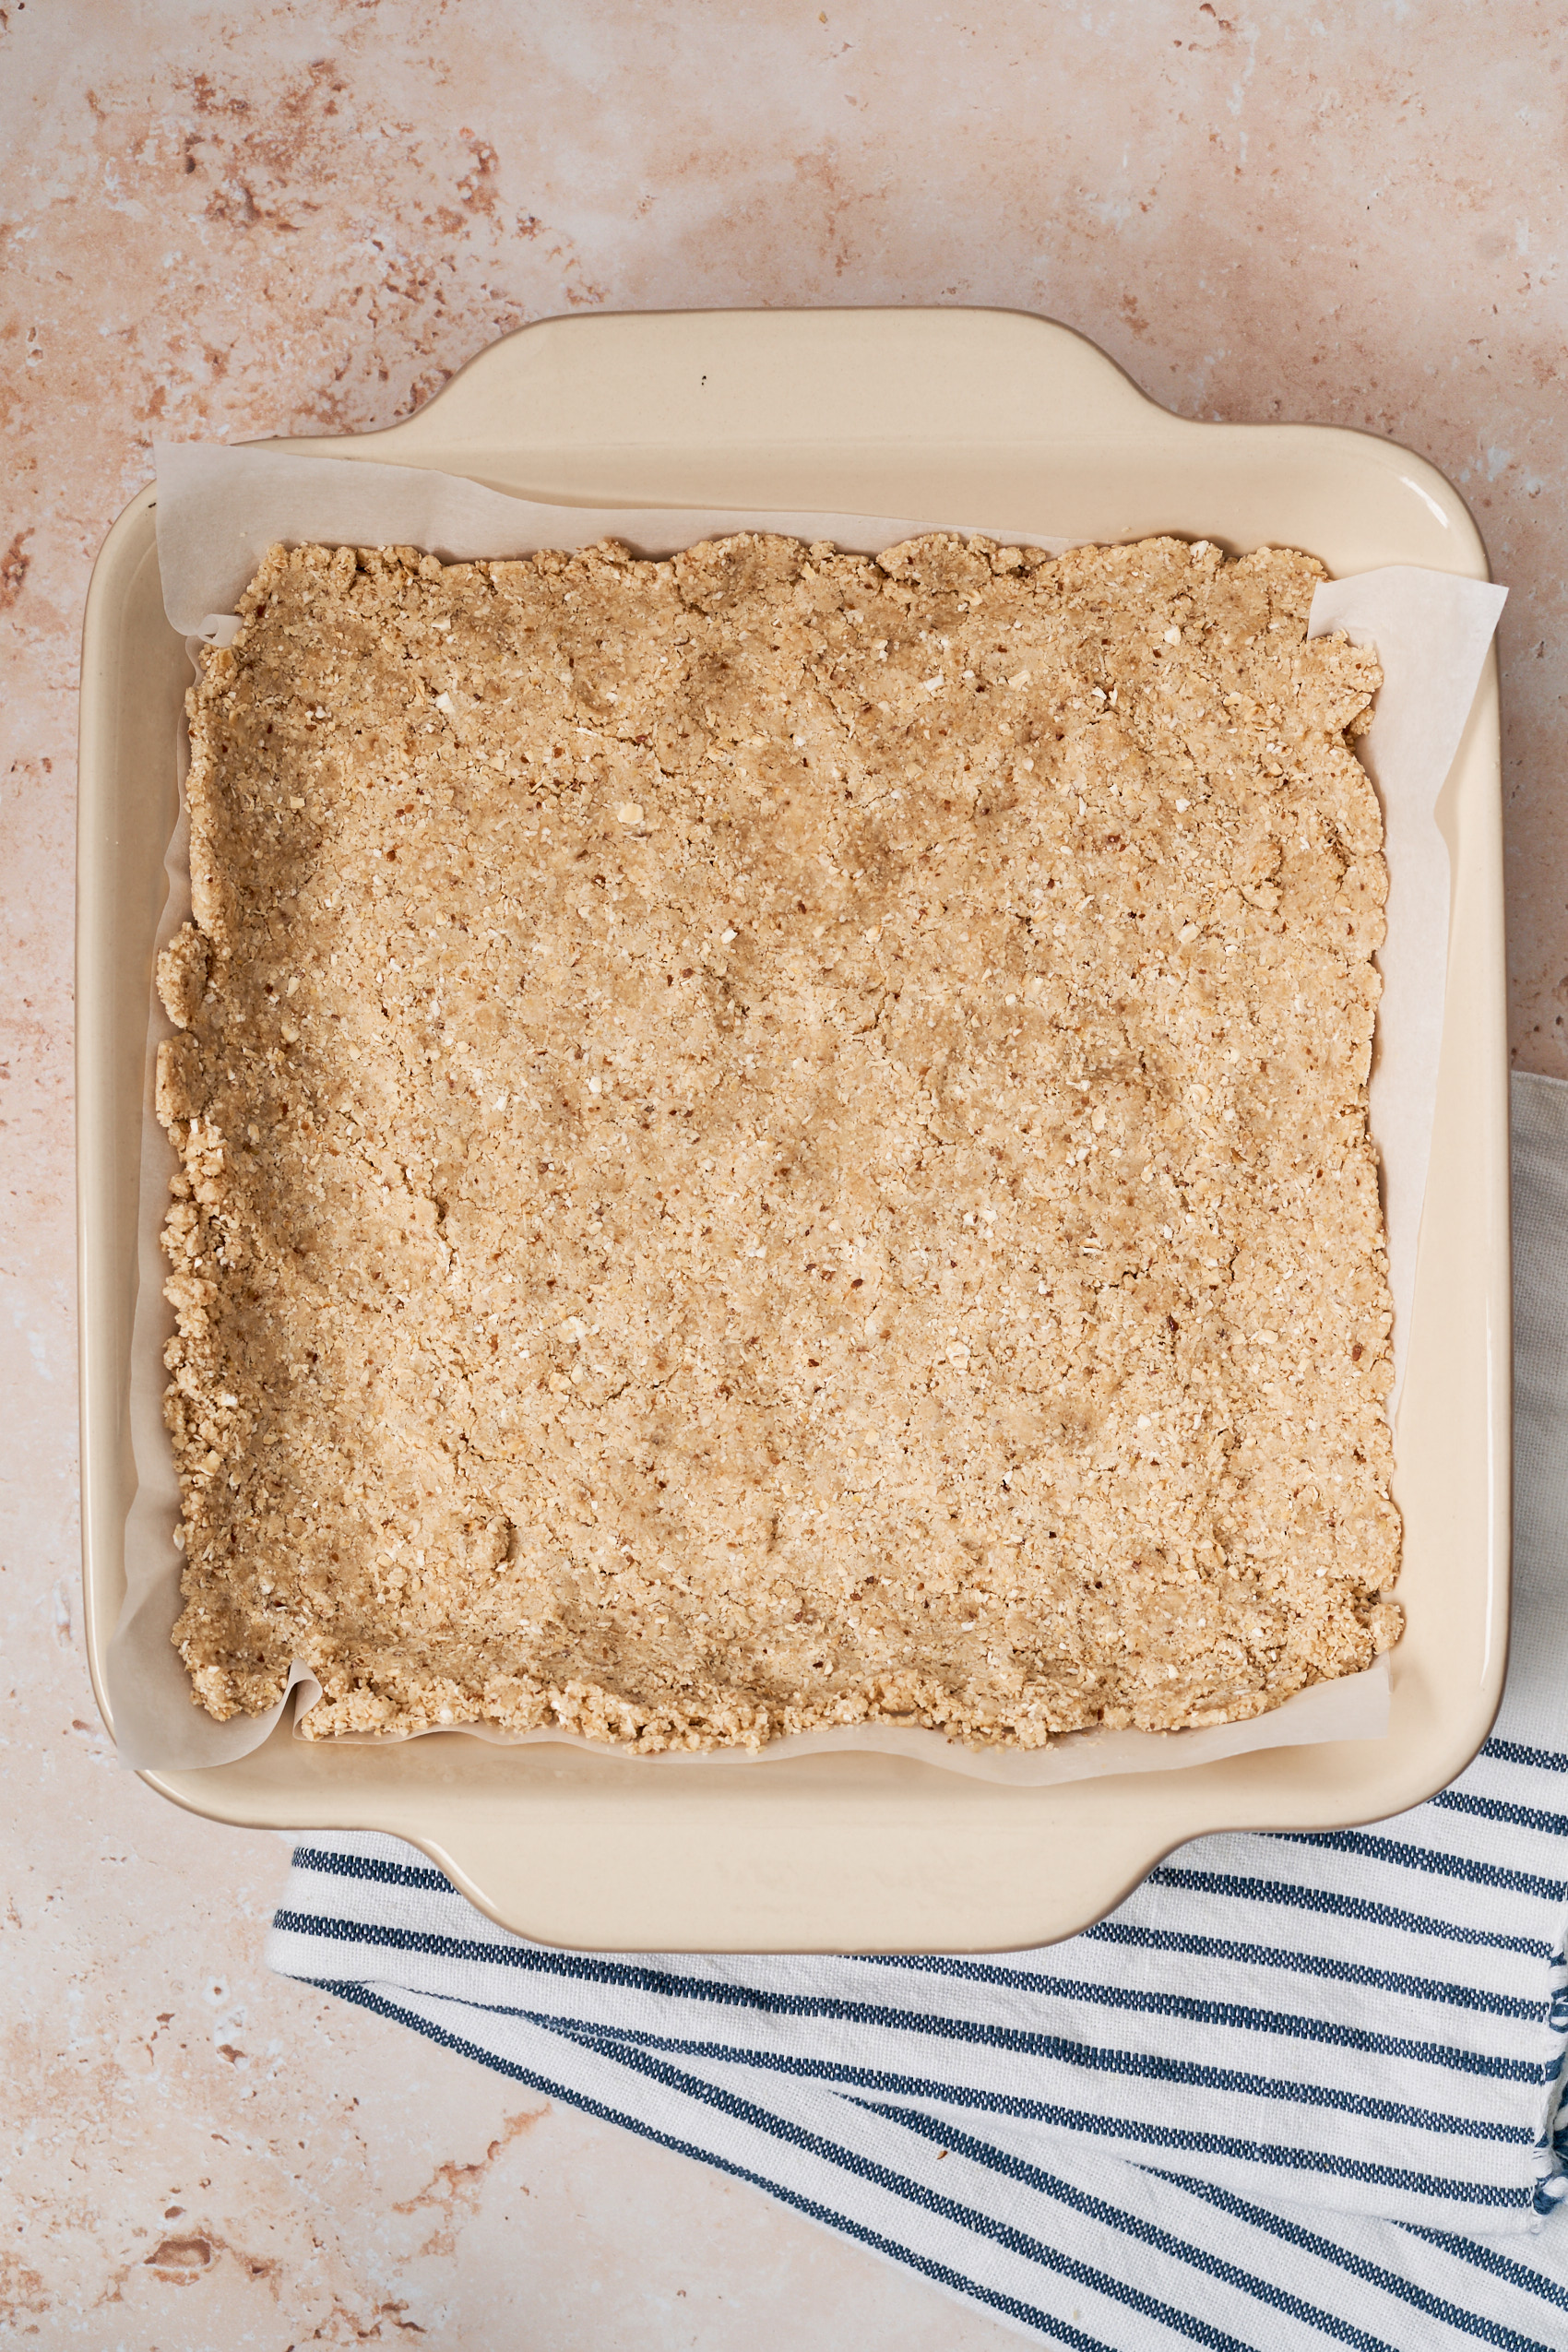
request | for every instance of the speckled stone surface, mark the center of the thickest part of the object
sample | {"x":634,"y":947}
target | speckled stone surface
{"x":230,"y":222}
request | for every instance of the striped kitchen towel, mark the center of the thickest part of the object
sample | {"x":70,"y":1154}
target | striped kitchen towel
{"x":1296,"y":2090}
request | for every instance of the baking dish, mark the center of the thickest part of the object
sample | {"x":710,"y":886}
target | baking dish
{"x":978,"y":417}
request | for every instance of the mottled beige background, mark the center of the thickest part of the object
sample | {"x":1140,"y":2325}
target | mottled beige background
{"x":242,"y":219}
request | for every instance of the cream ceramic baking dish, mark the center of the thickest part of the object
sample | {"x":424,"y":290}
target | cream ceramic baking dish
{"x":993,"y":419}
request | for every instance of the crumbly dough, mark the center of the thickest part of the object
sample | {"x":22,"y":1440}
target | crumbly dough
{"x":778,"y":1139}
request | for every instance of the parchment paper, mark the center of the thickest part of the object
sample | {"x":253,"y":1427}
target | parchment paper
{"x":220,"y":510}
{"x":1419,"y":622}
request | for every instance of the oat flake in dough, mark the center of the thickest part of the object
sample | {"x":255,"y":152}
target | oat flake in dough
{"x":778,"y":1138}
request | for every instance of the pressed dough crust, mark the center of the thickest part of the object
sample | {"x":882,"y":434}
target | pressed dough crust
{"x":778,"y":1139}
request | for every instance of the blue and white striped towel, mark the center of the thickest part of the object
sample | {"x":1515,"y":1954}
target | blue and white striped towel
{"x":1297,"y":2089}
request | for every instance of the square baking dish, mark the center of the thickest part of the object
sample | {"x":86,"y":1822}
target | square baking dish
{"x":979,"y":418}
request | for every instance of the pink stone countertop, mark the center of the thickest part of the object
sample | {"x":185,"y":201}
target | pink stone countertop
{"x":230,"y":222}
